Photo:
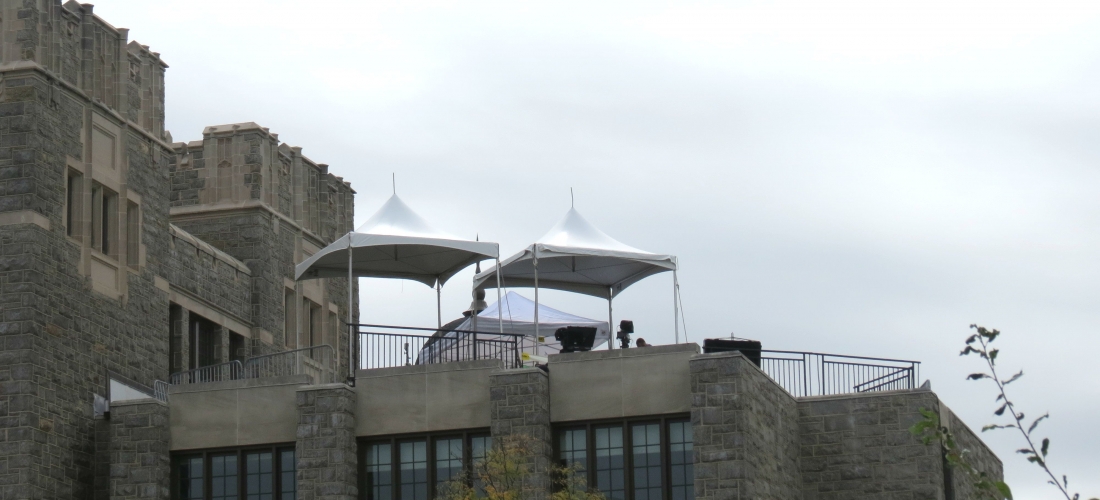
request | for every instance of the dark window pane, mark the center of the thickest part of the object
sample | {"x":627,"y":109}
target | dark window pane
{"x":223,"y":477}
{"x":647,"y":461}
{"x":574,"y":448}
{"x":479,"y":450}
{"x":610,"y":467}
{"x":680,"y":461}
{"x":379,"y":471}
{"x":259,"y":476}
{"x":414,"y":470}
{"x":189,"y":478}
{"x":448,"y":460}
{"x":288,"y":481}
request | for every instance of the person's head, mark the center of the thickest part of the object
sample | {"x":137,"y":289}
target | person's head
{"x":641,"y":342}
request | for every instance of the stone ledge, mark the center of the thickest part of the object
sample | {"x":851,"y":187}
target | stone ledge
{"x":457,"y":366}
{"x":24,"y":217}
{"x":231,"y":385}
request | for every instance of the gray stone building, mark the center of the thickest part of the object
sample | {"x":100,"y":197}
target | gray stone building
{"x":153,"y":343}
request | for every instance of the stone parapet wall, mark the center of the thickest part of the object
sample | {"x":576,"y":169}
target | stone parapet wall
{"x":960,"y":486}
{"x":858,"y":446}
{"x":140,"y":464}
{"x":519,"y":405}
{"x":746,"y":431}
{"x":209,"y":274}
{"x":326,"y":449}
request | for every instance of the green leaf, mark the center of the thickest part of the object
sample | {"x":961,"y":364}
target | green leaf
{"x":971,"y":339}
{"x":1004,"y":489}
{"x":993,"y":354}
{"x":1046,"y":445}
{"x":977,"y":376}
{"x":1036,"y":422}
{"x":1014,"y":377}
{"x":1001,"y":411}
{"x":1025,"y":451}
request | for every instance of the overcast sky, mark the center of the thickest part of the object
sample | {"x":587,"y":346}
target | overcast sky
{"x":861,"y":178}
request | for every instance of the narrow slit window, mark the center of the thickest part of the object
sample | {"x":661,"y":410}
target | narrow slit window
{"x":73,"y":204}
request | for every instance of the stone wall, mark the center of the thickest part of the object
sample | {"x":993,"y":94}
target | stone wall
{"x":59,"y":337}
{"x":326,"y":447}
{"x":138,"y":450}
{"x":959,"y":486}
{"x":746,"y":431}
{"x":519,"y":405}
{"x":209,"y":274}
{"x":859,"y":447}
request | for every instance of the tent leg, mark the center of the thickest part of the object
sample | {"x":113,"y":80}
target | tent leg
{"x":675,"y":307}
{"x":438,"y":305}
{"x":351,"y":329}
{"x":610,"y":324}
{"x":500,"y":312}
{"x":535,"y":262}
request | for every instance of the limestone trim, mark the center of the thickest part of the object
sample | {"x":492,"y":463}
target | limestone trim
{"x":24,"y":217}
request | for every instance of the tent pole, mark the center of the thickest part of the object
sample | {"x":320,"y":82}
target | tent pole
{"x":500,"y":311}
{"x":438,"y":305}
{"x":351,"y":329}
{"x":675,"y":306}
{"x":536,"y":264}
{"x":610,"y":323}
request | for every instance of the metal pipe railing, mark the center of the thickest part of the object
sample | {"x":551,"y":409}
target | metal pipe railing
{"x":230,"y":370}
{"x":384,"y":349}
{"x":819,"y":374}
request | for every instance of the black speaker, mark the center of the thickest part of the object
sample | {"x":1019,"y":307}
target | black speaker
{"x":576,"y":338}
{"x":750,"y":348}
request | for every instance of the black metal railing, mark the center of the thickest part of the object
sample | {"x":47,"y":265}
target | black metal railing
{"x":819,"y":374}
{"x":384,"y":349}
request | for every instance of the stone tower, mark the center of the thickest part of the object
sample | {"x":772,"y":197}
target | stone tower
{"x":126,"y":256}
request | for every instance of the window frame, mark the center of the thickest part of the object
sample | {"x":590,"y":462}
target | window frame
{"x":429,"y":438}
{"x":627,"y":425}
{"x":240,"y":452}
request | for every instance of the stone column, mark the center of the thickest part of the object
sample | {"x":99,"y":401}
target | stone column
{"x":519,"y":404}
{"x":180,"y":349}
{"x":745,"y":429}
{"x":140,"y":464}
{"x":326,"y":449}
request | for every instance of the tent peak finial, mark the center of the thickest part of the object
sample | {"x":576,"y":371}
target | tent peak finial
{"x":570,"y":197}
{"x":394,"y":179}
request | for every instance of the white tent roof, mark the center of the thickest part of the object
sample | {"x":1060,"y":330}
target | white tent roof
{"x":519,"y":318}
{"x":576,"y":256}
{"x":397,"y":243}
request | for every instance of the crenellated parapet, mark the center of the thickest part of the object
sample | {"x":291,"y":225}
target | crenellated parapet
{"x":87,"y":54}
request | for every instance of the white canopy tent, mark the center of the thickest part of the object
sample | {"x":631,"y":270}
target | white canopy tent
{"x":575,"y":256}
{"x":518,"y":313}
{"x":395,"y":242}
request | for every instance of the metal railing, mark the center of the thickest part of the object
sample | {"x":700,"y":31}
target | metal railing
{"x":819,"y":374}
{"x":214,"y":373}
{"x":379,"y":349}
{"x":160,"y":390}
{"x":318,"y":362}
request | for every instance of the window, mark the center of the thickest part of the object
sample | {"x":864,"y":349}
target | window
{"x":216,"y":475}
{"x":133,"y":234}
{"x":104,"y":216}
{"x":415,"y":468}
{"x":313,"y":328}
{"x":641,"y":459}
{"x":223,"y":477}
{"x":413,"y":479}
{"x":74,"y":205}
{"x":681,"y":477}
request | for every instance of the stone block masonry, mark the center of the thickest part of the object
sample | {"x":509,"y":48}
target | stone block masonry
{"x":519,"y":404}
{"x":746,"y":431}
{"x":139,"y":459}
{"x":326,"y":447}
{"x":859,"y":447}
